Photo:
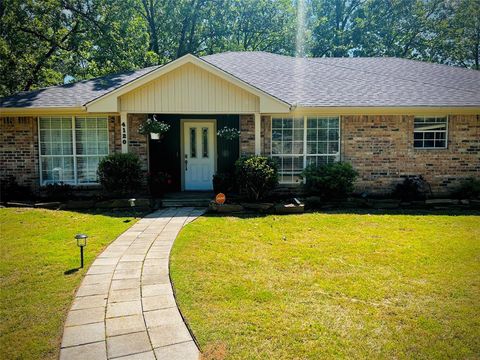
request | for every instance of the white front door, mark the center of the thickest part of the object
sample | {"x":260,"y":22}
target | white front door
{"x":199,"y":154}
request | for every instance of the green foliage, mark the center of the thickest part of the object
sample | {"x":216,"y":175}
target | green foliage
{"x":44,"y":42}
{"x":58,"y":191}
{"x":151,"y":125}
{"x":11,"y":190}
{"x":256,"y":176}
{"x":413,"y":188}
{"x":468,"y":189}
{"x":120,"y":173}
{"x":330,"y":181}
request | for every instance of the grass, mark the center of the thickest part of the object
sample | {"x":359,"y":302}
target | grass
{"x":37,"y":247}
{"x":320,"y":286}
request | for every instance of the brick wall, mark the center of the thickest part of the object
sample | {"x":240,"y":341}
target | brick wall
{"x":247,"y":135}
{"x":19,"y":146}
{"x":114,"y":130}
{"x":381,"y":149}
{"x":138,"y":143}
{"x":19,"y":150}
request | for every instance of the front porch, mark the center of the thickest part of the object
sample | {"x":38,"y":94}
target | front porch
{"x":191,"y":152}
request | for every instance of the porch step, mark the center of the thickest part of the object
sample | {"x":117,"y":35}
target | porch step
{"x":188,"y":198}
{"x":185,"y":202}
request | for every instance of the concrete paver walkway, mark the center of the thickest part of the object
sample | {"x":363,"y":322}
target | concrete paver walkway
{"x":125,"y":308}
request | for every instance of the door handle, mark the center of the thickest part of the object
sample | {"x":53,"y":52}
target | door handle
{"x":186,"y":163}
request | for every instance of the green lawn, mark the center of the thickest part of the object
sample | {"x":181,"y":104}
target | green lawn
{"x":321,"y":286}
{"x":36,"y":248}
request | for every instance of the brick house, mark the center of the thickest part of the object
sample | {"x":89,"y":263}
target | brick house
{"x":388,"y":117}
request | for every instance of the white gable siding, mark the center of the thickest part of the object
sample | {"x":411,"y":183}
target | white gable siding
{"x":189,"y":89}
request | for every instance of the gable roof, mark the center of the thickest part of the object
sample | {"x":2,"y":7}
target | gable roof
{"x":302,"y":82}
{"x":72,"y":95}
{"x":353,"y":82}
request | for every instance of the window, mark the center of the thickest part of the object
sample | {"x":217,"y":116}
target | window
{"x":298,"y":142}
{"x":71,"y":148}
{"x":193,"y":142}
{"x":91,"y":136}
{"x":205,"y":142}
{"x":430,"y":132}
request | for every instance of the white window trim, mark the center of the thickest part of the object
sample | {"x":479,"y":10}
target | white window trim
{"x":446,"y":132}
{"x":304,"y":154}
{"x":74,"y":149}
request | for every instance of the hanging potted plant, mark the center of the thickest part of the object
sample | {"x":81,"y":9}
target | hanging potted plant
{"x":228,"y":133}
{"x":155,"y":128}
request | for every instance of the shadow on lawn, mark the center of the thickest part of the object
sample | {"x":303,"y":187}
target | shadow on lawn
{"x":414,"y":212}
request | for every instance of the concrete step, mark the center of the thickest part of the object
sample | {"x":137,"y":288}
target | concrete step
{"x":185,"y":202}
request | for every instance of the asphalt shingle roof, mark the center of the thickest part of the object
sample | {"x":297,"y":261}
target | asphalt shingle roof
{"x":353,"y":81}
{"x":72,"y":95}
{"x":309,"y":82}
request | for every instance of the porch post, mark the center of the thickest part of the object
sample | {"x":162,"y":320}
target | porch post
{"x":258,"y":146}
{"x":124,"y":131}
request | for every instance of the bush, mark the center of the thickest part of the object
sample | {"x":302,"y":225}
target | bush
{"x":11,"y":190}
{"x":58,"y":192}
{"x":330,"y":181}
{"x":224,"y":183}
{"x":120,"y":173}
{"x":468,"y":189}
{"x":256,"y":176}
{"x":413,"y":188}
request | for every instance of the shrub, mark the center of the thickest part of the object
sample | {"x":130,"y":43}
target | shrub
{"x":58,"y":191}
{"x":468,"y":189}
{"x":330,"y":181}
{"x":224,"y":183}
{"x":256,"y":176}
{"x":120,"y":173}
{"x":413,"y":188}
{"x":11,"y":190}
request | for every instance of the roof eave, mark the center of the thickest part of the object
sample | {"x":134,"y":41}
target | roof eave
{"x":46,"y":110}
{"x":387,"y":110}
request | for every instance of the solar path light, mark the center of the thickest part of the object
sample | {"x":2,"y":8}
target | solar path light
{"x":81,"y":243}
{"x":132,"y":204}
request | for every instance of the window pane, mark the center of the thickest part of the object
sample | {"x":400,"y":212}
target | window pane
{"x":287,"y":135}
{"x":333,"y":134}
{"x":287,"y":123}
{"x":298,"y":135}
{"x":311,"y":147}
{"x":276,"y":147}
{"x":103,"y":148}
{"x":323,"y":123}
{"x":193,"y":142}
{"x":322,"y":135}
{"x":276,"y":123}
{"x":205,"y":142}
{"x":287,"y":148}
{"x":298,"y":147}
{"x":277,"y":135}
{"x":312,"y":134}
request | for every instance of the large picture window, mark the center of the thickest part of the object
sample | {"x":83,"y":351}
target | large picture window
{"x":430,"y":132}
{"x":298,"y":142}
{"x":71,"y":147}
